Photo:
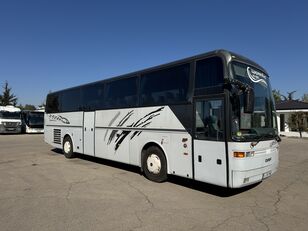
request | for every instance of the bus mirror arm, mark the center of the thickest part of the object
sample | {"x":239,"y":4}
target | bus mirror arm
{"x":236,"y":83}
{"x":249,"y":97}
{"x":243,"y":88}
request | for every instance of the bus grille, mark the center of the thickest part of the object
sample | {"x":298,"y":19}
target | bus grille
{"x":57,"y":136}
{"x":10,"y":124}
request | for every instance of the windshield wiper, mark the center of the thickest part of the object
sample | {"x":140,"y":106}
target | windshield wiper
{"x":268,"y":135}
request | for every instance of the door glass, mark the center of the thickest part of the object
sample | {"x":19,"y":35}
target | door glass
{"x":209,"y":120}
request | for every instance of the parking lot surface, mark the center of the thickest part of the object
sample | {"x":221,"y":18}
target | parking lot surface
{"x":41,"y":190}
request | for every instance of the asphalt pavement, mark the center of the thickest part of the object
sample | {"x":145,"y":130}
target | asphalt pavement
{"x":42,"y":190}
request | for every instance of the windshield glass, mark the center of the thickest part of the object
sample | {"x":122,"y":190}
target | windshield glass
{"x":261,"y":123}
{"x":9,"y":115}
{"x":35,"y":118}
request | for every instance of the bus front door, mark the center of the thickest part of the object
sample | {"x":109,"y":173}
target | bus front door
{"x":209,"y":145}
{"x":88,"y":133}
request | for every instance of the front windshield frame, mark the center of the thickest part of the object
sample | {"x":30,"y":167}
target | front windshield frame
{"x":10,"y":115}
{"x":262,"y":123}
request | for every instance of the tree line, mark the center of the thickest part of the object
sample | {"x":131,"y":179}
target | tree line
{"x":279,"y":97}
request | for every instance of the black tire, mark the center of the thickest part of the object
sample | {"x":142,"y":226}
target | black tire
{"x":68,"y":148}
{"x":154,"y":164}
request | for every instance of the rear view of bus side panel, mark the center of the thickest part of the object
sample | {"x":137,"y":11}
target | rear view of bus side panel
{"x":58,"y":125}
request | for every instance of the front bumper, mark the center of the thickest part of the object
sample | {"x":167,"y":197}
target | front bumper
{"x":245,"y":178}
{"x":10,"y":130}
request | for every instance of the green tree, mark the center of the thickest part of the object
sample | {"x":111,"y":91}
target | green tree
{"x":298,"y":121}
{"x":305,"y":97}
{"x":277,"y":95}
{"x":29,"y":107}
{"x":7,"y":97}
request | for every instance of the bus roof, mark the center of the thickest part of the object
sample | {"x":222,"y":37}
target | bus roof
{"x":9,"y":108}
{"x":227,"y":55}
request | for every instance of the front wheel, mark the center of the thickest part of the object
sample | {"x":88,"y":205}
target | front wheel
{"x":154,"y":164}
{"x":68,"y":148}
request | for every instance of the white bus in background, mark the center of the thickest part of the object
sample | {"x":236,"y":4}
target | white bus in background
{"x":10,"y":119}
{"x":196,"y":118}
{"x":33,"y":121}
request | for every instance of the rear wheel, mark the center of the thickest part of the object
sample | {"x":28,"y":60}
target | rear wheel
{"x":68,"y":148}
{"x":154,"y":164}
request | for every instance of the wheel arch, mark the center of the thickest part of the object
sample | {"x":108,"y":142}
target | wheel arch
{"x":65,"y":136}
{"x":150,"y":144}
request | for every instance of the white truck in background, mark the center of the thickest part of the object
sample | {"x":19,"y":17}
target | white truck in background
{"x":10,"y":119}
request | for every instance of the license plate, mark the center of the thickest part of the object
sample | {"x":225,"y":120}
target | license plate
{"x":266,"y":174}
{"x":10,"y":129}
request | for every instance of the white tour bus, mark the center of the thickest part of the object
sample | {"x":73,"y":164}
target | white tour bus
{"x":10,"y":119}
{"x":33,"y":121}
{"x":209,"y":118}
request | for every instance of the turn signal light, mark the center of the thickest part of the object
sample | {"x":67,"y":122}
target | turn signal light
{"x":239,"y":154}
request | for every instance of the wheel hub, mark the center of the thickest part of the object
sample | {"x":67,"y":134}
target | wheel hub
{"x":67,"y":147}
{"x":153,"y":164}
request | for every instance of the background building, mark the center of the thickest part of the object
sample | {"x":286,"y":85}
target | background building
{"x":284,"y":110}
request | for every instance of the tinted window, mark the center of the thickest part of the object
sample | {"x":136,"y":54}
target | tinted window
{"x":71,"y":100}
{"x":209,"y":120}
{"x":209,"y":72}
{"x":52,"y":103}
{"x":121,"y":93}
{"x":92,"y":96}
{"x":165,"y":86}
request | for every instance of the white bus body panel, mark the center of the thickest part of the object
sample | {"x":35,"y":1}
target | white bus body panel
{"x":88,"y":133}
{"x":210,"y":162}
{"x":34,"y":130}
{"x":69,"y":123}
{"x":249,"y":170}
{"x":121,"y":134}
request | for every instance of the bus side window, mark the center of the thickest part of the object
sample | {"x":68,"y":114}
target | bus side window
{"x":209,"y":76}
{"x":209,"y":120}
{"x":166,"y":86}
{"x":121,"y":93}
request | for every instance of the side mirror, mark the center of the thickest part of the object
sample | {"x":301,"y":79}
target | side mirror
{"x":249,"y":100}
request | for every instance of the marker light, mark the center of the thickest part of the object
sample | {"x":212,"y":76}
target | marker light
{"x":239,"y":154}
{"x":243,"y":154}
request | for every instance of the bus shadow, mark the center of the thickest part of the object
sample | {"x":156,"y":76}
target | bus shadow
{"x":106,"y":162}
{"x":209,"y":188}
{"x":185,"y":182}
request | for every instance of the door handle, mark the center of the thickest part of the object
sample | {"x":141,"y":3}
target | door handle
{"x":85,"y":129}
{"x":91,"y":129}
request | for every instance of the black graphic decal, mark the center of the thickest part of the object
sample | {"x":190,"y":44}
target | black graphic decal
{"x":111,"y":122}
{"x":120,"y":124}
{"x":142,"y":123}
{"x":58,"y":118}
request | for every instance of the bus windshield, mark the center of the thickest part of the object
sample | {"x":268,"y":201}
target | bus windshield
{"x":261,"y":123}
{"x":35,"y":118}
{"x":9,"y":115}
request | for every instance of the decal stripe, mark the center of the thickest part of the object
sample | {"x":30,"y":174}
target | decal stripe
{"x":143,"y":129}
{"x":111,"y":122}
{"x":62,"y":125}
